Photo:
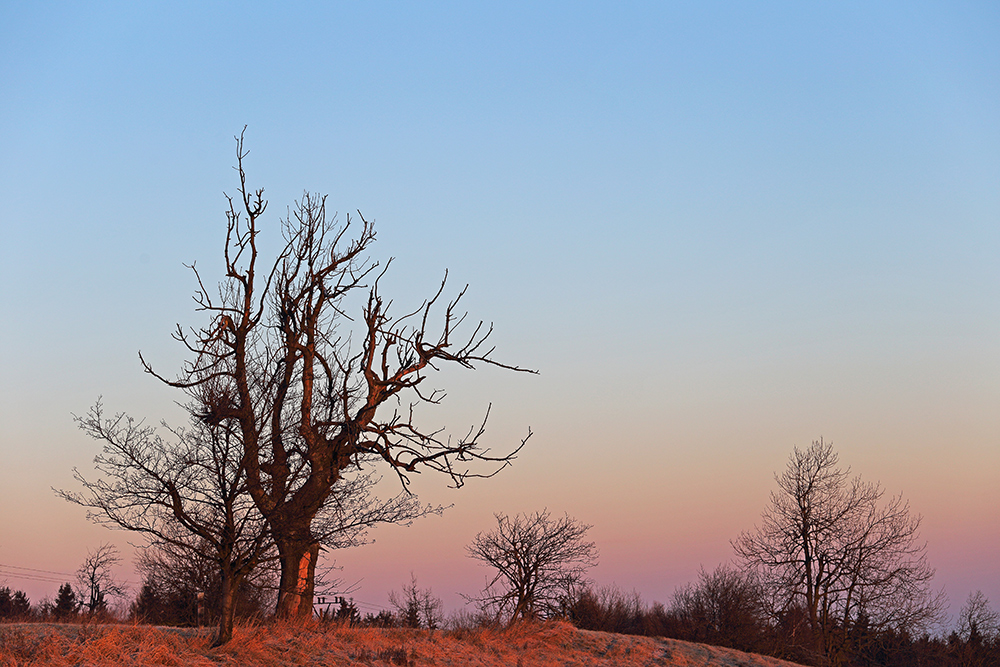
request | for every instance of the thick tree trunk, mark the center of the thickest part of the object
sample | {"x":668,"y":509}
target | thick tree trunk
{"x":298,"y":573}
{"x":228,"y":609}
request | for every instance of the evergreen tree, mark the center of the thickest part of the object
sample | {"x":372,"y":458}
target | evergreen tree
{"x":147,"y":605}
{"x":20,"y":606}
{"x":66,"y":604}
{"x":347,"y":611}
{"x":6,"y":602}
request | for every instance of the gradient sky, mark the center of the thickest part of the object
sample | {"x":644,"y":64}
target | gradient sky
{"x":718,"y":230}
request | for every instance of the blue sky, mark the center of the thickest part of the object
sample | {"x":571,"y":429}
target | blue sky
{"x":717,"y":229}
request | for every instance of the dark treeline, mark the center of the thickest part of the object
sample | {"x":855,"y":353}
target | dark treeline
{"x":726,"y":608}
{"x":14,"y":605}
{"x":179,"y":590}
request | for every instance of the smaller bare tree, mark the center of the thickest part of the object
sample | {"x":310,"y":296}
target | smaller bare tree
{"x":978,"y":633}
{"x":97,"y":581}
{"x":978,"y":620}
{"x":186,"y":492}
{"x":540,"y":563}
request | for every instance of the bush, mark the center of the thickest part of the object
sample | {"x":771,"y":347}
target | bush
{"x":609,"y":610}
{"x":724,"y":608}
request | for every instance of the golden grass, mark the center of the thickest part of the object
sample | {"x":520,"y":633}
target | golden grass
{"x":538,"y":644}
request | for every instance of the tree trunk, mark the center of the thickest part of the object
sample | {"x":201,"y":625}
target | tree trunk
{"x":228,"y":610}
{"x":298,"y":572}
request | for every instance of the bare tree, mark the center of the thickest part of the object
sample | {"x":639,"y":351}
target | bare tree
{"x":978,"y":633}
{"x":829,"y":544}
{"x":311,"y":398}
{"x":540,"y":563}
{"x":186,"y":493}
{"x":96,"y":579}
{"x":978,"y":619}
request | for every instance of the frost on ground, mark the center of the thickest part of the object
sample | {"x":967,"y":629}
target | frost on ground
{"x":539,"y":644}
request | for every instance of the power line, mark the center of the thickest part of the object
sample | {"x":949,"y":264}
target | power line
{"x":29,"y":577}
{"x":31,"y":569}
{"x":33,"y":574}
{"x":44,"y":576}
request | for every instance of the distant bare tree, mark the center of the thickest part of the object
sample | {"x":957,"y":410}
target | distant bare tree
{"x":829,"y":544}
{"x":976,"y":642}
{"x":311,"y":399}
{"x":96,"y":579}
{"x":540,"y":563}
{"x":977,"y":618}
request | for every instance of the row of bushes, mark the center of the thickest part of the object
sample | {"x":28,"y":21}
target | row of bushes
{"x":725,"y":609}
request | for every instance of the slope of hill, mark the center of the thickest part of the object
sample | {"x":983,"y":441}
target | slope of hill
{"x":269,"y":644}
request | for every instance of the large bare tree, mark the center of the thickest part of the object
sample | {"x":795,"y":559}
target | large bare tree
{"x":830,"y":545}
{"x":313,"y":391}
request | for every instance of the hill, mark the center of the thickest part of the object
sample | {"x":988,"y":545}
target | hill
{"x":270,"y":644}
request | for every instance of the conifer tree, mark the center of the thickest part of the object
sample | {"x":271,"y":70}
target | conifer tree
{"x":66,"y":604}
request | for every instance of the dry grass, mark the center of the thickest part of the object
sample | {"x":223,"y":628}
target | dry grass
{"x":541,"y":645}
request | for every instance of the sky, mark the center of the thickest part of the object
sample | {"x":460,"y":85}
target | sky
{"x":717,"y":230}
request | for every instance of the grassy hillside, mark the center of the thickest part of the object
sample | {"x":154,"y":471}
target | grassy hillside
{"x":280,"y":644}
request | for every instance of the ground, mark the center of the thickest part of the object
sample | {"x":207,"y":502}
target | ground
{"x":541,"y":645}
